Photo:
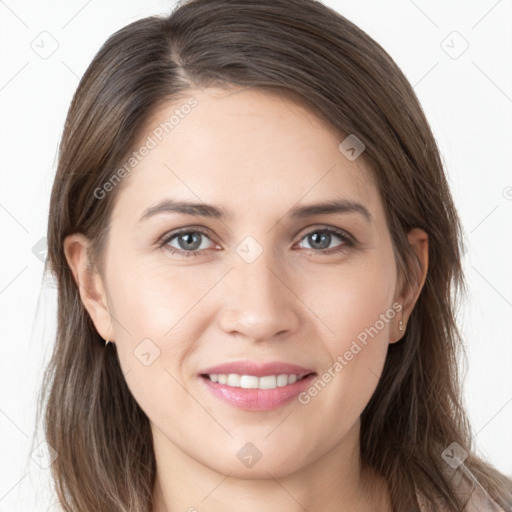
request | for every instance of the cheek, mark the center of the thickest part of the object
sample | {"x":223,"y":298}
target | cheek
{"x":353,"y":299}
{"x":157,"y":318}
{"x":356,"y":307}
{"x":151,"y":349}
{"x":152,"y":299}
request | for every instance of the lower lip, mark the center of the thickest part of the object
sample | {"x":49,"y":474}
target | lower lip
{"x":258,"y":399}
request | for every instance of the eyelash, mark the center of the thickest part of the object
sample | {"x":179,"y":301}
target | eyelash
{"x":348,"y":241}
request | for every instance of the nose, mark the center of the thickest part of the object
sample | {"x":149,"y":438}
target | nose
{"x":260,"y":303}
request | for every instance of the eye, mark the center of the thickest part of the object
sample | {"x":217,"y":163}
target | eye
{"x":320,"y":240}
{"x":188,"y":242}
{"x":191,"y":242}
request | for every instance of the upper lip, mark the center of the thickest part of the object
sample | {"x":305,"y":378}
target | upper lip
{"x":257,"y":369}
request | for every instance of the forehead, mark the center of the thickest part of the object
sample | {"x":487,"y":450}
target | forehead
{"x":245,"y":149}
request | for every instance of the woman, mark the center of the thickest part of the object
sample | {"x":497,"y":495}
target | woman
{"x":257,"y":257}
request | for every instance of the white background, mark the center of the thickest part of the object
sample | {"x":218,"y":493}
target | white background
{"x":468,"y":101}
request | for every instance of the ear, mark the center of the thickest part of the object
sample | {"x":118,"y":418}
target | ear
{"x":89,"y":283}
{"x":418,"y":240}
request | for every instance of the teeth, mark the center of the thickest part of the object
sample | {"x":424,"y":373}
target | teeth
{"x":249,"y":381}
{"x":233,"y":380}
{"x":253,"y":382}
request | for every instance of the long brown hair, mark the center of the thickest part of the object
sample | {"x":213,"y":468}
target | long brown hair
{"x":309,"y":52}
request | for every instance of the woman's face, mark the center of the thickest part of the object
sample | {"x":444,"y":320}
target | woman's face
{"x":257,"y":279}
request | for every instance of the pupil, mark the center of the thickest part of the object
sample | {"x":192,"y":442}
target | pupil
{"x":190,"y":239}
{"x":318,"y":239}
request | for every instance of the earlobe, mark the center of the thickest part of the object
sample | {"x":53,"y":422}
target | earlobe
{"x":418,"y":240}
{"x":398,"y":326}
{"x":89,"y":283}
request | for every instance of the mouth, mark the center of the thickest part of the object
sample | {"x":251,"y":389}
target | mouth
{"x":255,"y":387}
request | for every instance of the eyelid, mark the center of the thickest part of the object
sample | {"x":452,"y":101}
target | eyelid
{"x":168,"y":235}
{"x":325,"y":227}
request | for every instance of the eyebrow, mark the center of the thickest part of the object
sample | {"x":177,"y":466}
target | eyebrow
{"x":298,"y":212}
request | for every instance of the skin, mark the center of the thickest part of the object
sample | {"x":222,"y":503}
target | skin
{"x":256,"y":155}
